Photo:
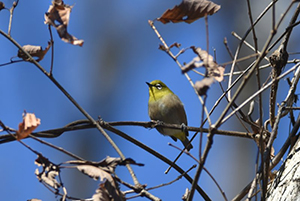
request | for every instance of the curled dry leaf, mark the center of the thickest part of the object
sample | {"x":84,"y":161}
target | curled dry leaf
{"x":109,"y":186}
{"x":203,"y":85}
{"x":94,"y":172}
{"x":34,"y":51}
{"x":251,"y":108}
{"x":185,"y":195}
{"x":2,"y":6}
{"x":66,"y":37}
{"x":107,"y":192}
{"x":213,"y":69}
{"x":60,"y":13}
{"x":105,"y":171}
{"x":29,"y":124}
{"x":108,"y":164}
{"x":191,"y":65}
{"x":49,"y":172}
{"x":189,"y":11}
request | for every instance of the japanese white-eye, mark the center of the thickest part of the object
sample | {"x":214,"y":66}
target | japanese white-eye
{"x":165,"y":106}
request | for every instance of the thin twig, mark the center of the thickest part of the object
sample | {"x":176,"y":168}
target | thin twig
{"x":11,"y":62}
{"x":54,"y":81}
{"x":287,"y":143}
{"x":11,"y":12}
{"x":259,"y":91}
{"x":52,"y":50}
{"x":257,"y":78}
{"x":248,"y":45}
{"x":167,"y":50}
{"x":159,"y":156}
{"x":241,"y":43}
{"x":209,"y":174}
{"x":57,"y":148}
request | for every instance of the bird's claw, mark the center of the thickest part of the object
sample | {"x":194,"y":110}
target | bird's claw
{"x":184,"y":127}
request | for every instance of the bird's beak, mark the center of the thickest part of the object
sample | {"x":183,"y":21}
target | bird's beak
{"x":150,"y":85}
{"x":150,"y":88}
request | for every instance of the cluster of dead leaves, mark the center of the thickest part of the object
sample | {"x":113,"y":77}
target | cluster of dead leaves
{"x":28,"y":125}
{"x":103,"y":171}
{"x":189,"y":11}
{"x":49,"y":173}
{"x":213,"y":70}
{"x":60,"y":13}
{"x":58,"y":16}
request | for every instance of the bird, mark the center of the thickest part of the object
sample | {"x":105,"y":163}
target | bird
{"x":165,"y":106}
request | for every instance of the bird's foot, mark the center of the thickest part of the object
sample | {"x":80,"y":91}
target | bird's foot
{"x":184,"y":127}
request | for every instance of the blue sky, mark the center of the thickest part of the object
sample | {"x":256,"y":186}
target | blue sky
{"x":107,"y":78}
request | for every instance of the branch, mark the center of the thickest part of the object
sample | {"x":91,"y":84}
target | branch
{"x":92,"y":121}
{"x":85,"y":124}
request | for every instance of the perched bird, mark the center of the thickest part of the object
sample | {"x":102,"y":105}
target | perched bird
{"x":165,"y":106}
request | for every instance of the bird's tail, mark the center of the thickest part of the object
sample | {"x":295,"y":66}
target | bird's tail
{"x":187,"y":144}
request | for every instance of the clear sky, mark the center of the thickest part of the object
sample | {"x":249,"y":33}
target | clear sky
{"x":107,"y":78}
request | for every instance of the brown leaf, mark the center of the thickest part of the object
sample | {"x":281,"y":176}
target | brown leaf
{"x":108,"y":164}
{"x":213,"y":69}
{"x":108,"y":192}
{"x":94,"y":172}
{"x":49,"y":172}
{"x":109,"y":188}
{"x":203,"y":85}
{"x":189,"y":11}
{"x":29,"y":124}
{"x":66,"y":37}
{"x":2,"y":6}
{"x":34,"y":51}
{"x":59,"y":13}
{"x":191,"y":65}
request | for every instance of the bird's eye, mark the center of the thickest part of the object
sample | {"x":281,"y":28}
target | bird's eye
{"x":158,"y":86}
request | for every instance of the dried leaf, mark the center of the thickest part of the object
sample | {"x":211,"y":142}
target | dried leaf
{"x":213,"y":69}
{"x":108,"y":164}
{"x":203,"y":85}
{"x":34,"y":199}
{"x":178,"y":45}
{"x":251,"y":108}
{"x":2,"y":6}
{"x":29,"y":124}
{"x":94,"y":172}
{"x":218,"y":73}
{"x":109,"y":188}
{"x":185,"y":195}
{"x":189,"y":11}
{"x":59,"y":13}
{"x":34,"y":51}
{"x":192,"y":64}
{"x":66,"y":37}
{"x":162,"y":47}
{"x":108,"y":192}
{"x":49,"y":172}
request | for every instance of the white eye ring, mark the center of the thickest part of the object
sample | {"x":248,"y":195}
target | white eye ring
{"x":158,"y":86}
